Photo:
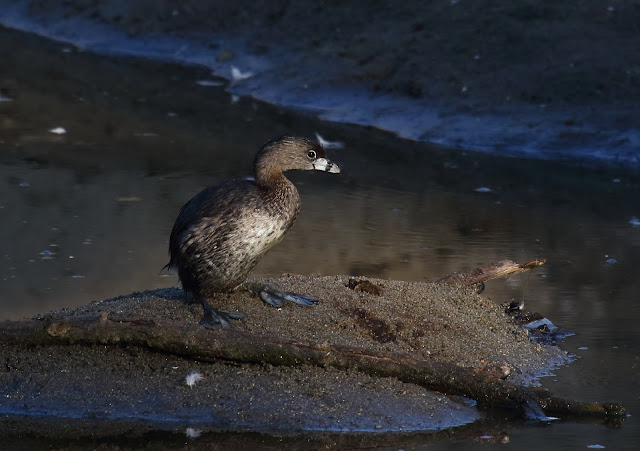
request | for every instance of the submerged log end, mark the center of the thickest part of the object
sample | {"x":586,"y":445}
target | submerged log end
{"x":532,"y":264}
{"x":563,"y":407}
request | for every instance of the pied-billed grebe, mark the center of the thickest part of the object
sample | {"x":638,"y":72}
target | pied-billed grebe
{"x":222,"y":233}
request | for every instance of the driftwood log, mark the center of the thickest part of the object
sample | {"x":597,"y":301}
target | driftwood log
{"x":482,"y":274}
{"x":206,"y":344}
{"x":487,"y":387}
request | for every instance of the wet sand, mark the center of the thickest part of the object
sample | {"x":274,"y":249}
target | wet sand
{"x":439,"y":323}
{"x":445,"y":323}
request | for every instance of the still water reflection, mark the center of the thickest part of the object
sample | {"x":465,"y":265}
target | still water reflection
{"x":72,"y":237}
{"x":86,"y":215}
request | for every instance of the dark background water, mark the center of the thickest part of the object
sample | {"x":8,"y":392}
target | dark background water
{"x":86,"y":215}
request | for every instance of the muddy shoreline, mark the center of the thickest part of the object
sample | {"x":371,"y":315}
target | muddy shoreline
{"x":131,"y":383}
{"x":514,"y":80}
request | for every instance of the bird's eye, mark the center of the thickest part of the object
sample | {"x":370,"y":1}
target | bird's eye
{"x":312,"y":154}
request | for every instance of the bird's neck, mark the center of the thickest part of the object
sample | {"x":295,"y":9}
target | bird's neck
{"x":270,"y":179}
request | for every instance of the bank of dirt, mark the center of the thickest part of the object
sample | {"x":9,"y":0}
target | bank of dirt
{"x":543,"y":79}
{"x":130,"y":383}
{"x":522,"y":51}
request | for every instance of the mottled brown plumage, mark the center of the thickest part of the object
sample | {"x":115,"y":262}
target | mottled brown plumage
{"x":222,"y":233}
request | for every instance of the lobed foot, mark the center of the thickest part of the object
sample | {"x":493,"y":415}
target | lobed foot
{"x":277,"y":298}
{"x":218,"y":319}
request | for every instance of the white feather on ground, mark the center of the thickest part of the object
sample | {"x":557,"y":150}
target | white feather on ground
{"x":237,"y":75}
{"x":192,"y":378}
{"x":192,"y":433}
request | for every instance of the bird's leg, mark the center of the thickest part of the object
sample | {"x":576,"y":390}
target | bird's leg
{"x":276,"y":298}
{"x":218,"y":318}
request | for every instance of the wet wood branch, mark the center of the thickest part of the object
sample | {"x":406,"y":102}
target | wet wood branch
{"x":201,"y":343}
{"x":487,"y":272}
